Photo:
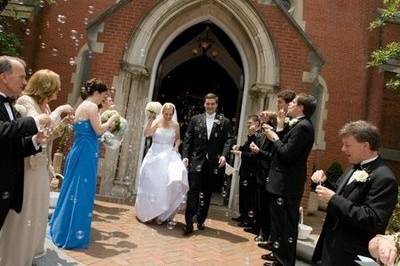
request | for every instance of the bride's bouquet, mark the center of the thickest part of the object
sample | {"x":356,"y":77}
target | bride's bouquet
{"x":153,"y":109}
{"x":113,"y":138}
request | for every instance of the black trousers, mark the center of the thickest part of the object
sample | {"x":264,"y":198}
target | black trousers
{"x":199,"y":194}
{"x":247,"y":196}
{"x":284,"y":227}
{"x":263,"y":216}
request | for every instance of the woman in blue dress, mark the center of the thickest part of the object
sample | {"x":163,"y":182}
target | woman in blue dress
{"x":71,"y":221}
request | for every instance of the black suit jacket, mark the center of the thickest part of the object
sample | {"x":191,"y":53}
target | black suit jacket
{"x":263,"y":158}
{"x":15,"y":144}
{"x":288,"y":170}
{"x":197,"y":148}
{"x":248,"y":165}
{"x":356,"y":213}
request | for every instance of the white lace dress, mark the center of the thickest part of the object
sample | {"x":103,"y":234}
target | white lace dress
{"x":163,"y":180}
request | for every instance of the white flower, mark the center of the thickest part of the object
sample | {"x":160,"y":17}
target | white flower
{"x":287,"y":120}
{"x":216,"y":121}
{"x":20,"y":109}
{"x":293,"y":122}
{"x":153,"y":109}
{"x":360,"y":176}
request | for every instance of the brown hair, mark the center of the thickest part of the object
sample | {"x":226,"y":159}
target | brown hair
{"x":362,"y":131}
{"x":287,"y":95}
{"x":308,"y":102}
{"x":211,"y":96}
{"x":92,"y":86}
{"x":42,"y":85}
{"x":254,"y":118}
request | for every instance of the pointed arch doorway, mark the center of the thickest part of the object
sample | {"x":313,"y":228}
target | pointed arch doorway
{"x":200,"y":60}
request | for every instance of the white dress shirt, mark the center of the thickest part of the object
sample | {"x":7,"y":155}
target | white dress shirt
{"x":351,"y":179}
{"x":210,"y":122}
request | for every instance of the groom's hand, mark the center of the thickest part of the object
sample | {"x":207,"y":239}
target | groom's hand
{"x":185,"y":161}
{"x":221,"y":161}
{"x":324,"y":194}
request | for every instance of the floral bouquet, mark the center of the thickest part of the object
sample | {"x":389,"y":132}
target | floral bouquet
{"x":113,"y":139}
{"x":153,"y":109}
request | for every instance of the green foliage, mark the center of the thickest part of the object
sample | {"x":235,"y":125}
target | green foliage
{"x":334,"y":171}
{"x":382,"y":55}
{"x":10,"y":44}
{"x":392,"y":8}
{"x":394,"y":223}
{"x":392,"y":50}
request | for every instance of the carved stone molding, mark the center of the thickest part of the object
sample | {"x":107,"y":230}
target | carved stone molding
{"x":135,"y":70}
{"x":261,"y":90}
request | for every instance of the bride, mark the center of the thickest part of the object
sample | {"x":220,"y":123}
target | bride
{"x":163,"y":181}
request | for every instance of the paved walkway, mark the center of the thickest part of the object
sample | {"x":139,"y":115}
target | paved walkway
{"x":119,"y":239}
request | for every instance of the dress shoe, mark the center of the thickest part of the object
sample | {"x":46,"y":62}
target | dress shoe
{"x":251,"y":230}
{"x":269,"y":257}
{"x":259,"y":239}
{"x":273,"y":263}
{"x":266,"y":245}
{"x":244,"y":224}
{"x":188,"y":230}
{"x":238,"y":219}
{"x":200,"y":227}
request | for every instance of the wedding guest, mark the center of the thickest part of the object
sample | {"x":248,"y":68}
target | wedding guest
{"x":360,"y":203}
{"x":17,"y":136}
{"x":27,"y":229}
{"x":106,"y":104}
{"x":70,"y":223}
{"x":383,"y":249}
{"x":286,"y":178}
{"x":247,"y":173}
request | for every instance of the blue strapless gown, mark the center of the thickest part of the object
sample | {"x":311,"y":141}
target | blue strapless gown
{"x":71,"y":220}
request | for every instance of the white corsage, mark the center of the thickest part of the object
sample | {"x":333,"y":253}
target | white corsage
{"x":360,"y":176}
{"x":216,"y":121}
{"x":293,"y":122}
{"x":153,"y":109}
{"x":21,"y":109}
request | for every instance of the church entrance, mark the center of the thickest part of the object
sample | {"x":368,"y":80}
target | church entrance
{"x":201,"y":60}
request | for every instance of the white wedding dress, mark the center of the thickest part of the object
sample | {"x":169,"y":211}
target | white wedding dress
{"x":163,"y":180}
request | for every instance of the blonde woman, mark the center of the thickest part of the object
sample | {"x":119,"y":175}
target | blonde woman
{"x":163,"y":181}
{"x":23,"y":234}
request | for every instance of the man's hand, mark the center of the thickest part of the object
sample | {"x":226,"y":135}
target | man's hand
{"x":318,"y":177}
{"x":185,"y":161}
{"x":235,"y":147}
{"x":221,"y":161}
{"x":254,"y":148}
{"x":324,"y":194}
{"x":236,"y":152}
{"x":41,"y":137}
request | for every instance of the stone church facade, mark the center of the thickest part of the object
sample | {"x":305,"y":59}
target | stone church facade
{"x":318,"y":47}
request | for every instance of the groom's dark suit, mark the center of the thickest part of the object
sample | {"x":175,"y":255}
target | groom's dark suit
{"x":15,"y":144}
{"x":356,"y":213}
{"x":285,"y":183}
{"x":203,"y":155}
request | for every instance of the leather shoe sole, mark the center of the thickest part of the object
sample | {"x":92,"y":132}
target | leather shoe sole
{"x":269,"y":257}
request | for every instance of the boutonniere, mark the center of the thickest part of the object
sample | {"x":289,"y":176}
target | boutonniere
{"x":360,"y":176}
{"x":216,"y":121}
{"x":287,"y":120}
{"x":219,"y":120}
{"x":293,"y":122}
{"x":21,"y":110}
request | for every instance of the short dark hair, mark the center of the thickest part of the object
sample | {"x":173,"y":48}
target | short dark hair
{"x":308,"y":102}
{"x":254,"y":118}
{"x":211,"y":96}
{"x":92,"y":86}
{"x":362,"y":131}
{"x":6,"y":63}
{"x":287,"y":95}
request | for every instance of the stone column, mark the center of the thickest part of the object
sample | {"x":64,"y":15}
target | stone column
{"x":258,"y":93}
{"x":135,"y":98}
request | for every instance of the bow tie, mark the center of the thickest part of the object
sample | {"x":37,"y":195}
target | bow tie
{"x":4,"y":99}
{"x":357,"y":167}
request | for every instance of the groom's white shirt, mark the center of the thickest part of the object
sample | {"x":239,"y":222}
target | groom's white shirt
{"x":210,"y":121}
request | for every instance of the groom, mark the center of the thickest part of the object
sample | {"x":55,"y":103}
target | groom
{"x":205,"y":146}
